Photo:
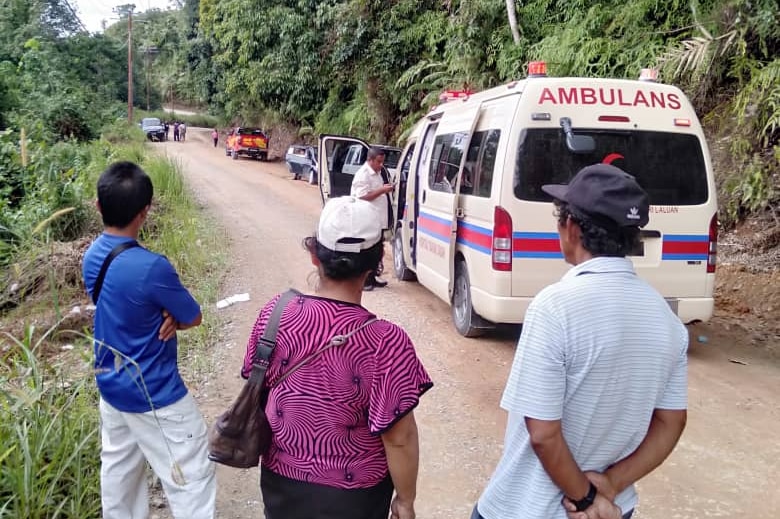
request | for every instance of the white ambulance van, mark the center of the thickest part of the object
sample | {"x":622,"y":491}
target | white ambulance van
{"x":473,"y":225}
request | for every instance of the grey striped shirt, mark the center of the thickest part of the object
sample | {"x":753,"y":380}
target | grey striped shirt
{"x":600,"y":350}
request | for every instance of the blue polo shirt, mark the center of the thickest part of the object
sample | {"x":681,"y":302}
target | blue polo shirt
{"x":139,"y":284}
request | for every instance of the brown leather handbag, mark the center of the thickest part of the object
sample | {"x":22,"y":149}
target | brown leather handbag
{"x":242,"y":434}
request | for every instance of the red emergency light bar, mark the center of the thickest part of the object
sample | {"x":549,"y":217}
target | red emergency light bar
{"x":648,"y":74}
{"x":537,"y":69}
{"x":449,"y":95}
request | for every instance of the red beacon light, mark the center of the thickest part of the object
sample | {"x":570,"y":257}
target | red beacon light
{"x":537,"y":69}
{"x":451,"y":95}
{"x":649,"y":75}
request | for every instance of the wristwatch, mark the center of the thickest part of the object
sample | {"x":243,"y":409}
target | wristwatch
{"x":584,"y":503}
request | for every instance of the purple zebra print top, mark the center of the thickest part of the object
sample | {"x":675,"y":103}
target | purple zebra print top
{"x":328,"y":416}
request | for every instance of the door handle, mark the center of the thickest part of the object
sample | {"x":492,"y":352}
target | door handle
{"x":423,"y":195}
{"x":460,"y":213}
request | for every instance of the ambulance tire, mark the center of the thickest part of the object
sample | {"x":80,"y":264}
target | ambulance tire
{"x":400,"y":269}
{"x":466,"y":320}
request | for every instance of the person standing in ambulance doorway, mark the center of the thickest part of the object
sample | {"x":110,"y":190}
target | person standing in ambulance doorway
{"x":597,"y":394}
{"x":371,"y":185}
{"x":146,"y":412}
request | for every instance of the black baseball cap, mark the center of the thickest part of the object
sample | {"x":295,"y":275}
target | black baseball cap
{"x":603,"y":191}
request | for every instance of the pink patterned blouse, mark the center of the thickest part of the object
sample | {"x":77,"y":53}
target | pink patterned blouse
{"x":328,"y":416}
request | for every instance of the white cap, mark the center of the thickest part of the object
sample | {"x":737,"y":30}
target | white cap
{"x":349,"y":224}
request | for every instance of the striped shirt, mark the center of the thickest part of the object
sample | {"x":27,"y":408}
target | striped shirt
{"x":600,"y":350}
{"x":327,"y":418}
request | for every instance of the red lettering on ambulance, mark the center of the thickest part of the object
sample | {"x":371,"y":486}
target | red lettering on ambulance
{"x":640,"y":98}
{"x":547,"y":95}
{"x":588,"y":96}
{"x":674,"y":101}
{"x":657,"y":100}
{"x":568,"y":98}
{"x":603,"y":99}
{"x":609,"y":97}
{"x":621,"y":101}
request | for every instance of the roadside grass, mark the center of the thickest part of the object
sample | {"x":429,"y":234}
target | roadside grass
{"x":49,"y":422}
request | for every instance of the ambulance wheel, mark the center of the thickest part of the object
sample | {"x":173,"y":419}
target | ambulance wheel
{"x":466,"y":320}
{"x":399,"y":264}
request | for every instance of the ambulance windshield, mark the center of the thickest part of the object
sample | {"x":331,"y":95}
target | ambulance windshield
{"x":670,"y":166}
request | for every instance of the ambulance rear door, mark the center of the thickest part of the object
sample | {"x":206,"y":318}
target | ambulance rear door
{"x":647,"y":129}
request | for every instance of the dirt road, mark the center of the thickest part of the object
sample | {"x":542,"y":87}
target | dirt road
{"x":726,"y":465}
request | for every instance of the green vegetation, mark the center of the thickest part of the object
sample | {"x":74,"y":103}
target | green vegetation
{"x":371,"y":68}
{"x":62,"y":113}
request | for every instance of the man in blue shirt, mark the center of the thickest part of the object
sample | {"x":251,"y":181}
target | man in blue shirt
{"x":146,"y":412}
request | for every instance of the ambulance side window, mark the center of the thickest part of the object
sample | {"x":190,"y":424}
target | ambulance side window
{"x":447,"y":153}
{"x":481,"y":171}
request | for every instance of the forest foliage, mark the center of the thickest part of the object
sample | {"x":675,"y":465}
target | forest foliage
{"x":370,"y":68}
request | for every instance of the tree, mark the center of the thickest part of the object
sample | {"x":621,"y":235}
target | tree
{"x":512,"y":16}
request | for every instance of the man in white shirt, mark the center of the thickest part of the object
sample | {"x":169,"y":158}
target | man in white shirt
{"x":597,"y":394}
{"x":369,"y":185}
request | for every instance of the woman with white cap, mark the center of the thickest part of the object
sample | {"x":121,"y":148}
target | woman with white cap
{"x":344,"y":433}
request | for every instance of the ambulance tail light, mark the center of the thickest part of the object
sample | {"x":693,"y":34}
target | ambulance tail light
{"x":712,"y":251}
{"x":502,"y":240}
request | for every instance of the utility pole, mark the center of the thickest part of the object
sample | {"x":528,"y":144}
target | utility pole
{"x":128,"y":10}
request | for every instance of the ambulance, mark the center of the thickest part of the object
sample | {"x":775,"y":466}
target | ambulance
{"x":473,"y":226}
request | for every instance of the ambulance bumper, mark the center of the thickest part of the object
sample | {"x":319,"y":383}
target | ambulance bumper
{"x":498,"y":309}
{"x":512,"y":309}
{"x":691,"y":309}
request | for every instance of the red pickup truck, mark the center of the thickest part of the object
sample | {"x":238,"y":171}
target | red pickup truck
{"x":252,"y":142}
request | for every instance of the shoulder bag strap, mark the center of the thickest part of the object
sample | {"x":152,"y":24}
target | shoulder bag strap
{"x":267,"y":342}
{"x":336,"y":340}
{"x":116,"y":251}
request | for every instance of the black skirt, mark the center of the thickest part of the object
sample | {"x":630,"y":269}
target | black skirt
{"x":286,"y":498}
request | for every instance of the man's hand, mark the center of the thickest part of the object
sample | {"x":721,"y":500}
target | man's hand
{"x":603,"y":484}
{"x":388,"y":188}
{"x":602,"y":508}
{"x":401,"y":509}
{"x":168,"y":327}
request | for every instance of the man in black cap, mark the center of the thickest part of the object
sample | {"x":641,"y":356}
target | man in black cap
{"x":601,"y":357}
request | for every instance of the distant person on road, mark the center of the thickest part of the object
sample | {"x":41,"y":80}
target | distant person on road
{"x":176,"y":131}
{"x":344,"y":432}
{"x":182,"y":131}
{"x":167,"y":127}
{"x":369,"y":184}
{"x":146,"y":412}
{"x":597,"y":395}
{"x":215,"y":137}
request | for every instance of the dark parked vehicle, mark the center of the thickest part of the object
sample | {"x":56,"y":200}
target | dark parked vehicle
{"x":153,"y":128}
{"x":302,"y":162}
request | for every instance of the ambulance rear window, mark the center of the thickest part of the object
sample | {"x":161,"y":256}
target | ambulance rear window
{"x":669,"y":166}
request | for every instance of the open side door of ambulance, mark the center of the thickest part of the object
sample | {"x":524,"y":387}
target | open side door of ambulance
{"x":333,"y":150}
{"x":457,"y":208}
{"x":437,"y":219}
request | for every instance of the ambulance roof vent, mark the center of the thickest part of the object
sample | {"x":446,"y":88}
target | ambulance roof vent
{"x":537,"y":69}
{"x":648,"y":74}
{"x":451,"y":95}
